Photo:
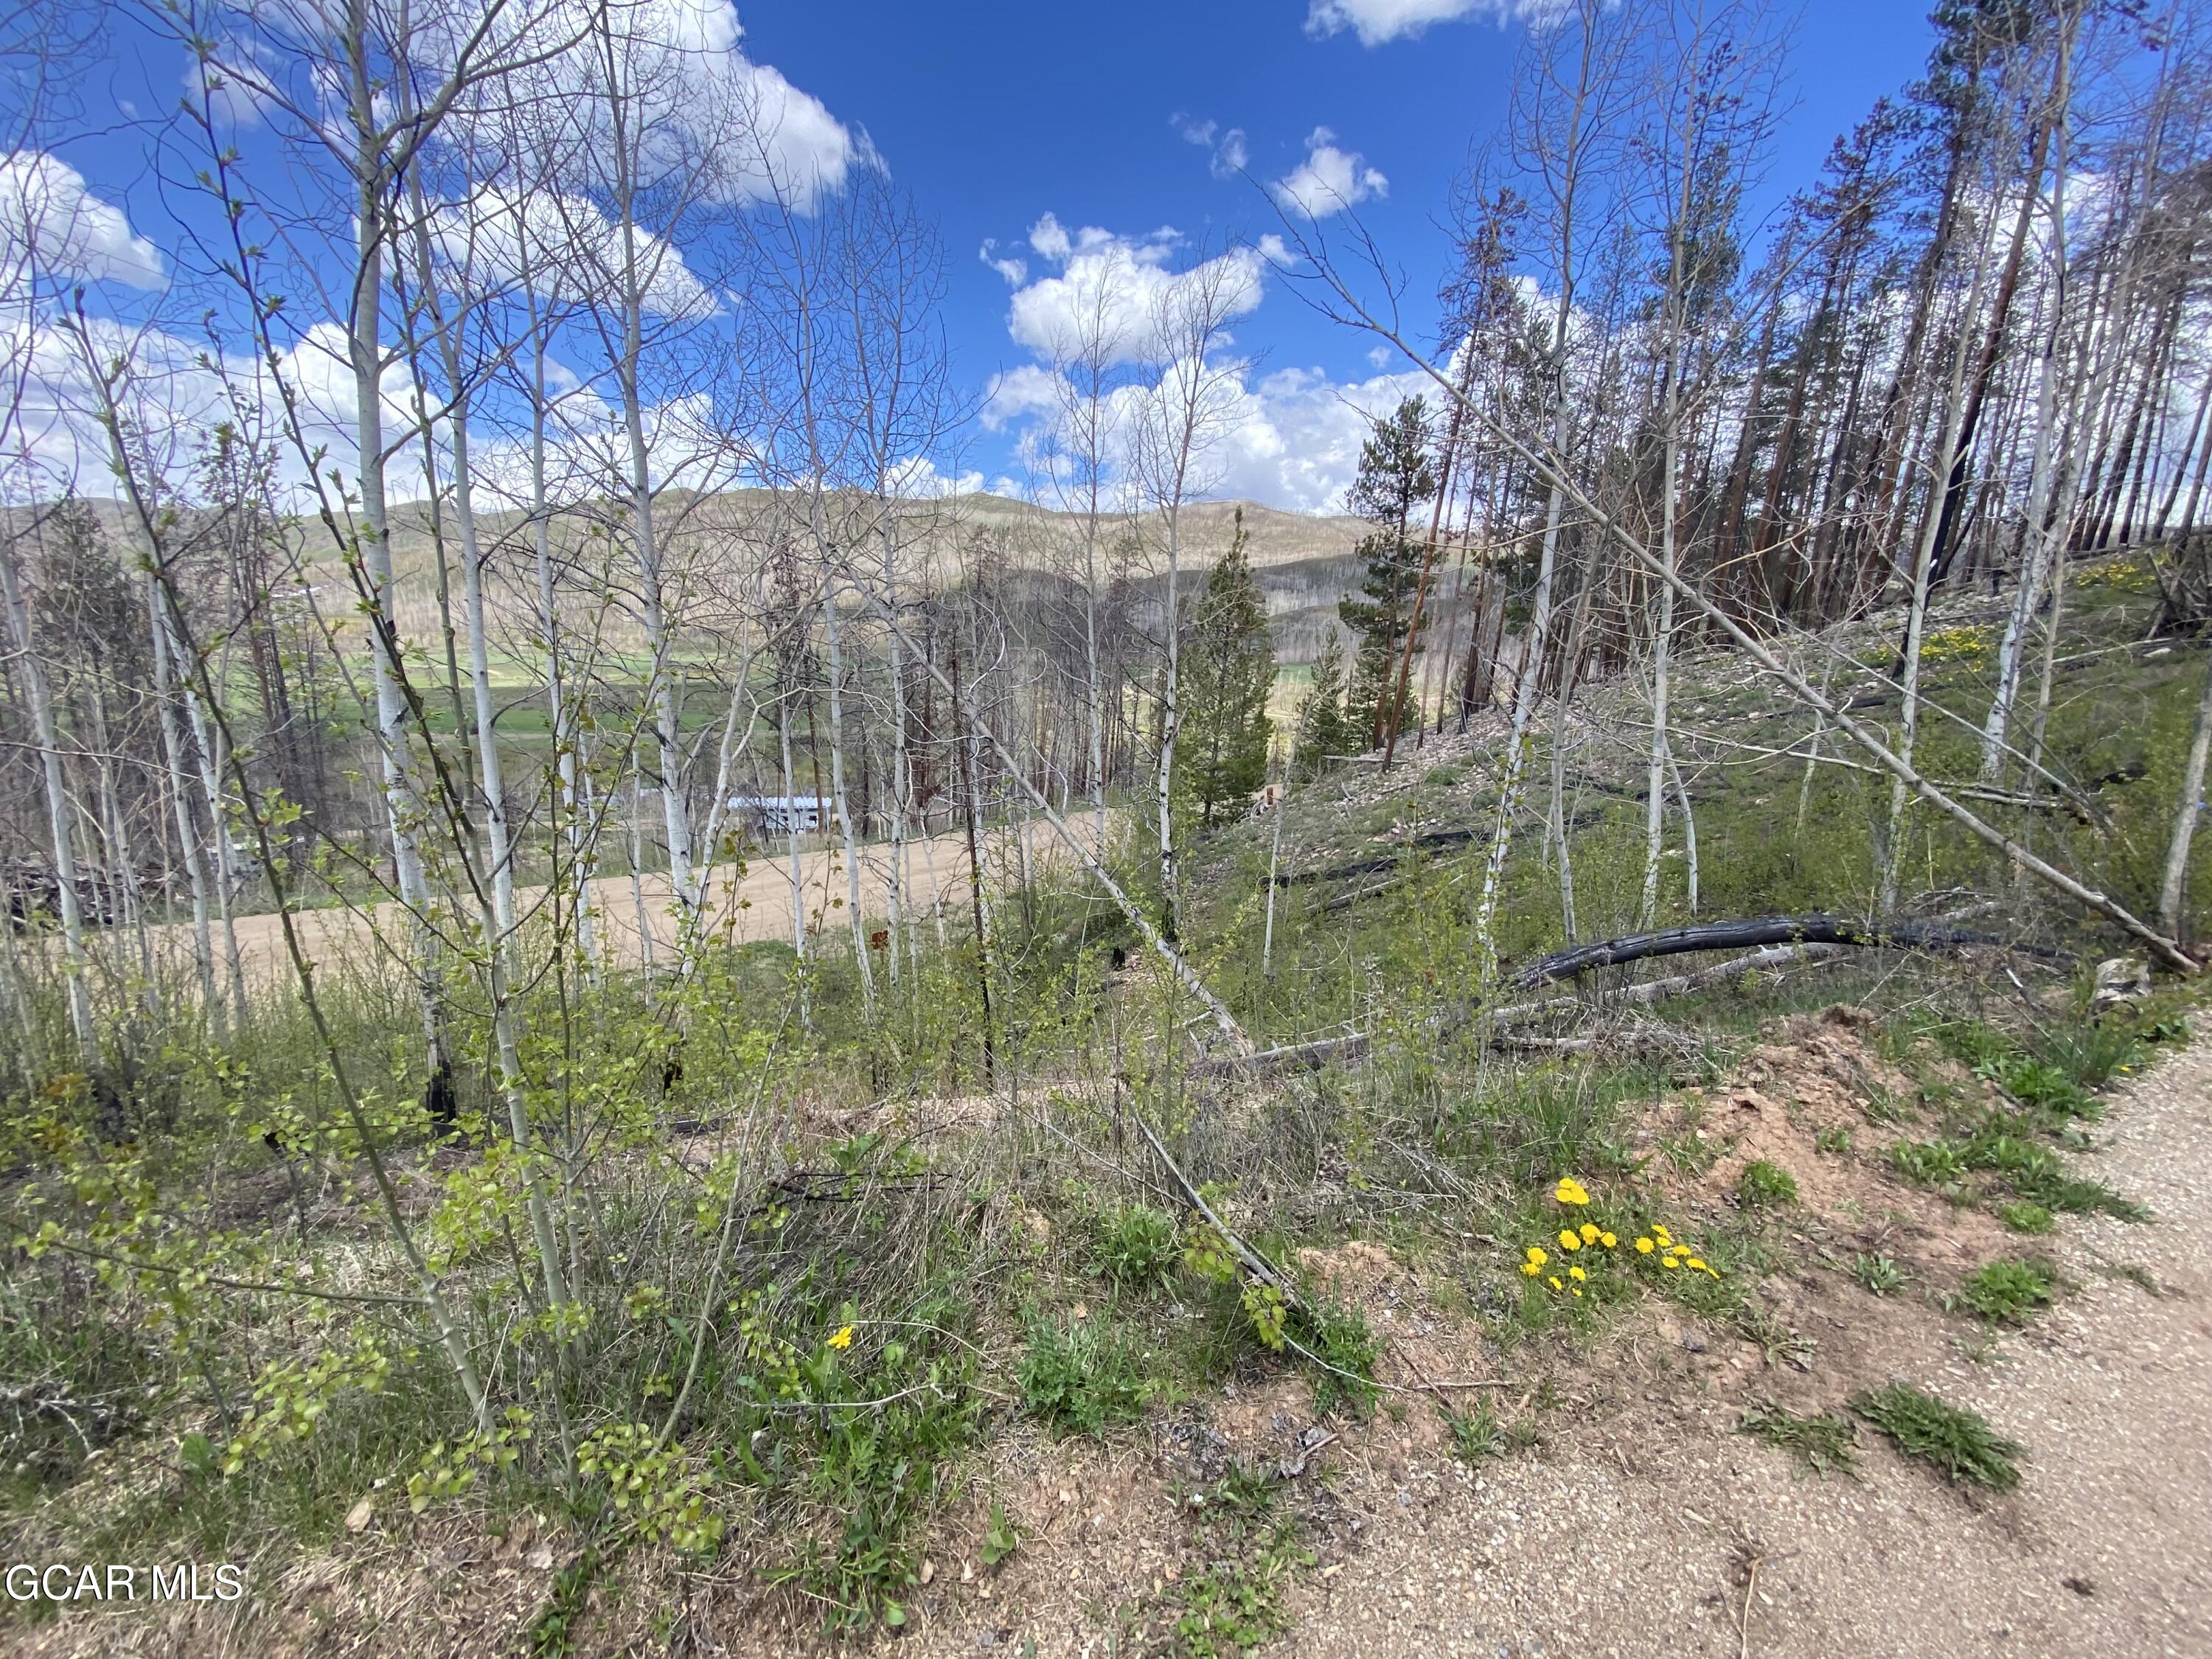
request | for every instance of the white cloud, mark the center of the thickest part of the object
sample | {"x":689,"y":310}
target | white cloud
{"x":1377,"y":20}
{"x":1227,"y":152}
{"x":700,"y":93}
{"x":1014,"y":268}
{"x":52,"y":228}
{"x":918,"y":478}
{"x":1290,"y":438}
{"x":1115,"y":287}
{"x":563,"y":248}
{"x":696,"y":107}
{"x":1328,"y":180}
{"x":1020,"y":392}
{"x":233,"y":99}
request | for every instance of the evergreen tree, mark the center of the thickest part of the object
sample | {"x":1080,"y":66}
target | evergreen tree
{"x":1321,"y":729}
{"x":1228,"y":670}
{"x":1396,"y":475}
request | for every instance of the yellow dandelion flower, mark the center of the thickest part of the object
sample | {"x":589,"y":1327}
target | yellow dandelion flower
{"x":1577,"y":1274}
{"x":1577,"y":1292}
{"x":1644,"y":1247}
{"x":1555,"y":1282}
{"x":1668,"y":1261}
{"x":1569,"y":1240}
{"x":843,"y":1339}
{"x":1531,"y":1268}
{"x":1692,"y":1261}
{"x":1590,"y":1232}
{"x":1608,"y":1240}
{"x":1570,"y":1191}
{"x":1537,"y":1254}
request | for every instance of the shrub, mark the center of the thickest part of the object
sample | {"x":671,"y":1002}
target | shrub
{"x":2024,"y":1217}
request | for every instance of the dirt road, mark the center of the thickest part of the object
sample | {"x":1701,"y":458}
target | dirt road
{"x":1645,"y":1523}
{"x":754,"y":906}
{"x":1638,"y":1536}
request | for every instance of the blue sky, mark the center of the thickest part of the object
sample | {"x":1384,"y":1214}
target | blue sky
{"x":995,"y":114}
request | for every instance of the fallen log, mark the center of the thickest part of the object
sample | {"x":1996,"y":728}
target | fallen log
{"x":1753,"y":932}
{"x":1646,"y":992}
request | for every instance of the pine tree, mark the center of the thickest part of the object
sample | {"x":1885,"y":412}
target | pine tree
{"x":1396,"y":474}
{"x":1321,"y":729}
{"x":1229,"y":669}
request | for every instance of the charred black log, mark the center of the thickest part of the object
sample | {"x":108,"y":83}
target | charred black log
{"x":1751,"y":933}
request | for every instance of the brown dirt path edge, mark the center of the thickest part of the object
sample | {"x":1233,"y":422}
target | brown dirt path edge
{"x":1634,"y":1538}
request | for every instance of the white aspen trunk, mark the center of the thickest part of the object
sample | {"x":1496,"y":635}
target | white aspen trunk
{"x":2046,"y":533}
{"x":652,"y":607}
{"x":1915,"y":620}
{"x":1557,"y":820}
{"x":843,"y":804}
{"x":898,"y":928}
{"x":173,"y":786}
{"x":1662,"y":644}
{"x":1274,"y":853}
{"x":1169,"y":720}
{"x":645,"y":945}
{"x":1689,"y":830}
{"x":1524,"y":690}
{"x":797,"y":877}
{"x":38,"y":693}
{"x":402,"y":810}
{"x":2173,"y":885}
{"x":571,"y":820}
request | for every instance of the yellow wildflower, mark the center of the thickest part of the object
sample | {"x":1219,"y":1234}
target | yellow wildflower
{"x":1590,"y":1232}
{"x":1555,"y":1282}
{"x":1608,"y":1240}
{"x":1537,"y":1254}
{"x":1694,"y":1262}
{"x":1570,"y":1191}
{"x":1532,"y":1268}
{"x":1577,"y":1274}
{"x":1644,"y":1247}
{"x":1570,"y":1241}
{"x":843,"y":1339}
{"x":1668,"y":1261}
{"x":1577,"y":1292}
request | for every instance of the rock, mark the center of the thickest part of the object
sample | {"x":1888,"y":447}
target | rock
{"x":359,"y":1516}
{"x":540,"y":1559}
{"x":2122,"y":982}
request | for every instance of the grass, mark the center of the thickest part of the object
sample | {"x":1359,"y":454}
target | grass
{"x":2007,"y":1292}
{"x":1082,"y":1376}
{"x":1959,"y":1441}
{"x":1234,"y":1602}
{"x":1345,"y":1346}
{"x":1877,"y":1273}
{"x":1765,"y":1185}
{"x":1477,"y":1434}
{"x":2024,"y":1217}
{"x":1828,"y":1440}
{"x":1136,"y":1245}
